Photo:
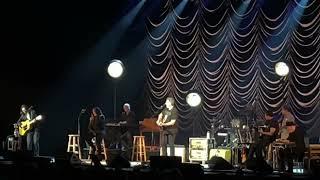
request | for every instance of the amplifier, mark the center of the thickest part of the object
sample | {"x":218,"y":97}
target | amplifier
{"x":224,"y":153}
{"x":314,"y":150}
{"x":179,"y":150}
{"x":198,"y":149}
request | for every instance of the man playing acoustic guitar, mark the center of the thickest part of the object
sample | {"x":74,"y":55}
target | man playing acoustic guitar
{"x":167,"y":120}
{"x":29,"y":126}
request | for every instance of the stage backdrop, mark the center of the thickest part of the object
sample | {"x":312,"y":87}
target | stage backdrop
{"x":226,"y":50}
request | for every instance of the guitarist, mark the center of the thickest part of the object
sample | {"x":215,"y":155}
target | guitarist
{"x":267,"y":136}
{"x":167,"y":120}
{"x":96,"y":128}
{"x":33,"y":135}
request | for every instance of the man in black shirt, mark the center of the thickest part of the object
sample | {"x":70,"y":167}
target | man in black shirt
{"x":128,"y":119}
{"x":167,"y":120}
{"x":296,"y":136}
{"x":268,"y":135}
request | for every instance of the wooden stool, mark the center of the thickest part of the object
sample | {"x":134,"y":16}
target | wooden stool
{"x":104,"y":149}
{"x":139,"y":149}
{"x":74,"y":144}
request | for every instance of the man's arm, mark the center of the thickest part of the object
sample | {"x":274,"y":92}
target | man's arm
{"x":90,"y":126}
{"x":122,"y":119}
{"x":162,"y":120}
{"x":270,"y":133}
{"x":170,"y":123}
{"x":158,"y":122}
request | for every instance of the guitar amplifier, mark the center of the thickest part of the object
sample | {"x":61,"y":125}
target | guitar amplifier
{"x":198,"y":149}
{"x":224,"y":153}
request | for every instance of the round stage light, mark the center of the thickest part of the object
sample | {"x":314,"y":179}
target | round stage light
{"x":193,"y":99}
{"x":115,"y":68}
{"x":282,"y":69}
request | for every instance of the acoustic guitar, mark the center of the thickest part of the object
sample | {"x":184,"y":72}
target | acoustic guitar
{"x":25,"y":126}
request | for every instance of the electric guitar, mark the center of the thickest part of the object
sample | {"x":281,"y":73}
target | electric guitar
{"x":244,"y":154}
{"x":25,"y":126}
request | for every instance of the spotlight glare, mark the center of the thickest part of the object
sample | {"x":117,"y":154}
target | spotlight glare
{"x":115,"y":68}
{"x":193,"y":99}
{"x":282,"y":69}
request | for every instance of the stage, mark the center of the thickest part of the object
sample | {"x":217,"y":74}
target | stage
{"x":57,"y":167}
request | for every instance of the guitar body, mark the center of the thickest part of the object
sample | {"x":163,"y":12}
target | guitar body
{"x":244,"y":154}
{"x":26,"y":126}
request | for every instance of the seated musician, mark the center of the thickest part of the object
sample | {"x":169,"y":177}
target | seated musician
{"x":128,"y":119}
{"x":295,"y":136}
{"x":267,"y":136}
{"x":167,"y":120}
{"x":96,"y":128}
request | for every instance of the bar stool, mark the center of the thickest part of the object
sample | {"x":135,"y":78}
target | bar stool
{"x":74,"y":144}
{"x":104,"y":149}
{"x":139,"y":149}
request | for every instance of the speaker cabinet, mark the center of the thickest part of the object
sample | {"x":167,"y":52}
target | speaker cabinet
{"x":224,"y":153}
{"x":198,"y":149}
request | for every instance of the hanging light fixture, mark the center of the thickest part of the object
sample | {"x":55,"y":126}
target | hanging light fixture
{"x":282,"y":69}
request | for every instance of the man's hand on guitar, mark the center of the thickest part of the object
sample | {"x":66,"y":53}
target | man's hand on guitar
{"x":27,"y":125}
{"x":159,"y":123}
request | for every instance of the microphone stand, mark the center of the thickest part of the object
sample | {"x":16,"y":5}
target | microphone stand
{"x":81,"y":112}
{"x":213,"y":131}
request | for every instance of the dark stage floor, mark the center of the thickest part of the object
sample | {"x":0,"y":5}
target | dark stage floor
{"x":51,"y":167}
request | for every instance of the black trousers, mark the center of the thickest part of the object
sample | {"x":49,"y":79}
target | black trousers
{"x":127,"y":137}
{"x":168,"y":138}
{"x":258,"y":148}
{"x":286,"y":157}
{"x":99,"y":137}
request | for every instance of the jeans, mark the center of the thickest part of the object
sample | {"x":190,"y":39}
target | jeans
{"x":167,"y":137}
{"x":33,"y":142}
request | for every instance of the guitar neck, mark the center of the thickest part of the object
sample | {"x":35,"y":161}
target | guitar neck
{"x":32,"y":121}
